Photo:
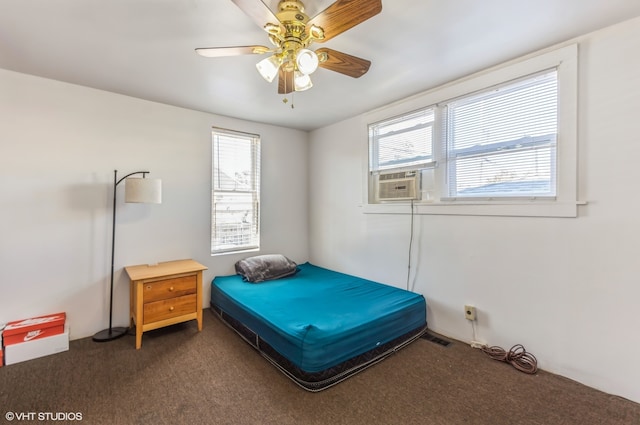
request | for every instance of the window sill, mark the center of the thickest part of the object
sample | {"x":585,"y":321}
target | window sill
{"x":234,"y":251}
{"x":495,"y":208}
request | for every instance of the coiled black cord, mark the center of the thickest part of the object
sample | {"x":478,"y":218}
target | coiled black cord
{"x":517,"y":356}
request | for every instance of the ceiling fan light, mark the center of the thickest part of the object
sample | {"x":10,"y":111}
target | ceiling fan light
{"x":268,"y":67}
{"x":307,"y":61}
{"x":301,"y":82}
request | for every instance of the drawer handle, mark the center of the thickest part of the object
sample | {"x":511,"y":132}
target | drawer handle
{"x":171,"y":289}
{"x":171,"y":308}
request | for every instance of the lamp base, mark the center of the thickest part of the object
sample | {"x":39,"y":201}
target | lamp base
{"x":110,"y":334}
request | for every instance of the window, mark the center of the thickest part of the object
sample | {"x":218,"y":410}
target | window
{"x":500,"y":142}
{"x":235,"y":195}
{"x":402,"y":142}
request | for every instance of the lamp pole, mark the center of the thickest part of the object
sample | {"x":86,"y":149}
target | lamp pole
{"x":112,"y":333}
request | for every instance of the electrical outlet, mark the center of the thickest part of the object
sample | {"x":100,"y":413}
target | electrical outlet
{"x":469,"y":312}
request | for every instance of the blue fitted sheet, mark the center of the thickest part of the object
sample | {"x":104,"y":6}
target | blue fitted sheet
{"x":319,"y":318}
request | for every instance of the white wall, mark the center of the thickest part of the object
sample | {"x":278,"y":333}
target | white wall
{"x":565,"y":288}
{"x":59,"y":145}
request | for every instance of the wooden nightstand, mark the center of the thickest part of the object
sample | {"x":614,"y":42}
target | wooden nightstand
{"x":164,"y":294}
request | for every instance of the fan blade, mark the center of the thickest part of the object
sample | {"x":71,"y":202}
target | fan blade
{"x":285,"y":81}
{"x":259,"y":12}
{"x":343,"y":15}
{"x":216,"y":52}
{"x":343,"y":63}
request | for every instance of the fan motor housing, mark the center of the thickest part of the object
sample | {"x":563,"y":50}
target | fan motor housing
{"x":294,"y":5}
{"x":291,"y":11}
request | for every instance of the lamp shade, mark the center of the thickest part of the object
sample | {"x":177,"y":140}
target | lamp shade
{"x":143,"y":190}
{"x":268,"y":67}
{"x":301,"y":81}
{"x":307,"y":61}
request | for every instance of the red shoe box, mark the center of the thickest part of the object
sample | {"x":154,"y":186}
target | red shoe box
{"x":16,"y":353}
{"x":34,"y":328}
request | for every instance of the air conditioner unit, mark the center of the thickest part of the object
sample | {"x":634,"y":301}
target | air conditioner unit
{"x":403,"y":185}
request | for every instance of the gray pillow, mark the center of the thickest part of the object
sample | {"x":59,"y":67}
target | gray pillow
{"x":265,"y":267}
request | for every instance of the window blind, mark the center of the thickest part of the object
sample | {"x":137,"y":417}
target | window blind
{"x":401,"y":142}
{"x":235,"y":205}
{"x":502,"y":142}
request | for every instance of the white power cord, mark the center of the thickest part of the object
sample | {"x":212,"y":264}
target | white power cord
{"x":410,"y":246}
{"x":474,"y":341}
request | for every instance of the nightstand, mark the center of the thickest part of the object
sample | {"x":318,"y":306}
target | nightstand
{"x":164,"y":294}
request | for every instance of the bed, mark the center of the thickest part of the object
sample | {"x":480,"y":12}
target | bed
{"x":319,"y":326}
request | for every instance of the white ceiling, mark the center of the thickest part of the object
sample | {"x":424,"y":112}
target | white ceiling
{"x":145,"y":49}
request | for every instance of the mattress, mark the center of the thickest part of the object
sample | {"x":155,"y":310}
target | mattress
{"x":320,"y":326}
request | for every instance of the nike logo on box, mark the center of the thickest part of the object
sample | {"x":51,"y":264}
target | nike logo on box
{"x":33,"y":334}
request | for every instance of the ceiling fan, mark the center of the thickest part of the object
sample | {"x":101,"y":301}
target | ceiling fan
{"x":291,"y":32}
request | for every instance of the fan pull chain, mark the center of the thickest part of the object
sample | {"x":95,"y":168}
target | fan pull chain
{"x":285,"y":100}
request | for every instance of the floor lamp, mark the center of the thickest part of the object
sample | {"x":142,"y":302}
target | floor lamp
{"x":138,"y":190}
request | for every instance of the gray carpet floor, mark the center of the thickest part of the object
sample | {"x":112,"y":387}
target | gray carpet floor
{"x":182,"y":376}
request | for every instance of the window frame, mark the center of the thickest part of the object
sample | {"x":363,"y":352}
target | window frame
{"x":434,"y":199}
{"x":253,"y":192}
{"x":495,"y":149}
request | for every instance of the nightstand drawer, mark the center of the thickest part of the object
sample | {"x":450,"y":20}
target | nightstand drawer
{"x":169,"y":288}
{"x":166,"y":309}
